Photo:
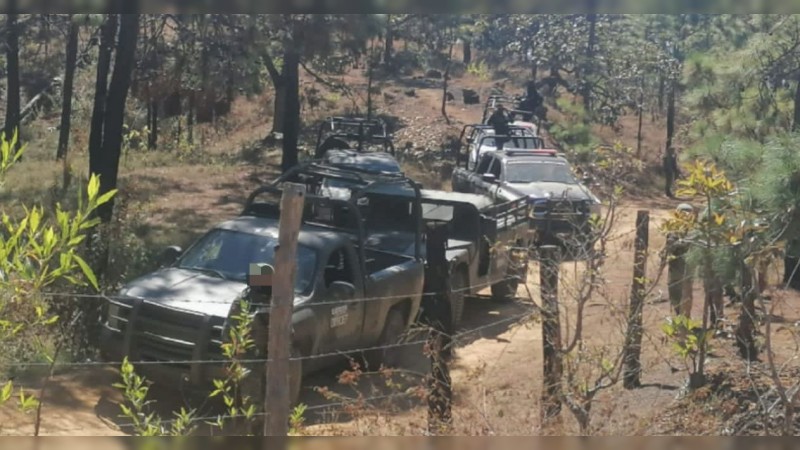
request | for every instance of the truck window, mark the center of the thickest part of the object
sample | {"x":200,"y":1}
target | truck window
{"x":230,"y":253}
{"x":495,"y":168}
{"x":339,"y":267}
{"x":483,"y":167}
{"x":532,"y":172}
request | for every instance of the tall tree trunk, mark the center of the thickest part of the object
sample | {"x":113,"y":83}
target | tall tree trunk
{"x":671,"y":113}
{"x":115,"y":108}
{"x":12,"y":70}
{"x":467,"y":52}
{"x":369,"y":88}
{"x":291,"y":108}
{"x":590,"y":50}
{"x":446,"y":78}
{"x":190,"y":117}
{"x":66,"y":103}
{"x":535,"y":62}
{"x":108,"y":32}
{"x":641,"y":113}
{"x":152,"y":138}
{"x":388,"y":47}
{"x":746,"y":327}
{"x":279,"y":115}
{"x":796,"y":121}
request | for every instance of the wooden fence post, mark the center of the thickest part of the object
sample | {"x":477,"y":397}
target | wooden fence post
{"x":440,"y":390}
{"x":438,"y":315}
{"x":679,"y":277}
{"x":633,"y":339}
{"x":277,"y":400}
{"x":551,"y":333}
{"x":746,"y":328}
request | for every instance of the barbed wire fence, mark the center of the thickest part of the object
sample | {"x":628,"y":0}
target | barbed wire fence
{"x":413,"y":337}
{"x":439,"y":373}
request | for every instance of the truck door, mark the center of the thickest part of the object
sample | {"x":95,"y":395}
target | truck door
{"x":343,"y":297}
{"x":492,"y":189}
{"x":476,"y":180}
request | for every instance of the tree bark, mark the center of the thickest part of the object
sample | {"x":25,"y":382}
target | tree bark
{"x":279,"y":114}
{"x":670,"y":114}
{"x":796,"y":121}
{"x":190,"y":117}
{"x":535,"y":63}
{"x":388,"y":48}
{"x":369,"y":88}
{"x":152,"y":138}
{"x":115,"y":108}
{"x":467,"y":52}
{"x":446,"y":78}
{"x":590,"y":49}
{"x":553,"y":363}
{"x":66,"y":103}
{"x":12,"y":68}
{"x":746,"y":328}
{"x":633,"y":337}
{"x":291,"y":108}
{"x":641,"y":113}
{"x":108,"y":32}
{"x":279,"y":105}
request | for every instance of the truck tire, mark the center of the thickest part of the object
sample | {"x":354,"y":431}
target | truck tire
{"x":507,"y":289}
{"x":455,"y":297}
{"x":393,"y":331}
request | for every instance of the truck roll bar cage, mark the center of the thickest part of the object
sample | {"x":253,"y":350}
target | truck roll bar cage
{"x":362,"y":180}
{"x":364,"y":132}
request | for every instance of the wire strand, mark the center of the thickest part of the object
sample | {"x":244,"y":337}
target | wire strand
{"x":454,"y":337}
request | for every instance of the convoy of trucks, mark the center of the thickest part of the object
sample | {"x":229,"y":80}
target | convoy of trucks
{"x":376,"y":253}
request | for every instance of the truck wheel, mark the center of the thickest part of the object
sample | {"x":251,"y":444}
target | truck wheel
{"x":507,"y":289}
{"x":458,"y":285}
{"x":392,"y":332}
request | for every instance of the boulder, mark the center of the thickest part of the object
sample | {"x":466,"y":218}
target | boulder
{"x":471,"y":97}
{"x":410,"y":92}
{"x":433,"y":73}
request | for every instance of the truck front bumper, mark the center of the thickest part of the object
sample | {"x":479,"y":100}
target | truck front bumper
{"x":560,"y":228}
{"x":167,"y":346}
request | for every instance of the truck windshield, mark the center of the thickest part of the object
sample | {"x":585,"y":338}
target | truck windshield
{"x":539,"y":172}
{"x":514,"y":143}
{"x":228,"y":254}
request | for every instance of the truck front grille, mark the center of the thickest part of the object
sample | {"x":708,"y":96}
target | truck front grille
{"x":158,"y":333}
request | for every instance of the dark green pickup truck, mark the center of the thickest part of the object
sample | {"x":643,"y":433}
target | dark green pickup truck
{"x":482,"y":242}
{"x":354,"y":289}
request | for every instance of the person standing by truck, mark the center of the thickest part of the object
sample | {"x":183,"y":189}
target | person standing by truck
{"x":500,"y":121}
{"x":531,"y":102}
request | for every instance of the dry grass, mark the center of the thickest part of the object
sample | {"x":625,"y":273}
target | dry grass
{"x":496,"y":375}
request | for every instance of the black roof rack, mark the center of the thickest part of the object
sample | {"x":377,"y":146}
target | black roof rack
{"x":362,"y":181}
{"x":360,"y":129}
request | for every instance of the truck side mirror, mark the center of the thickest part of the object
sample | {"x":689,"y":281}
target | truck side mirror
{"x":488,"y":178}
{"x":341,"y":290}
{"x":170,"y":255}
